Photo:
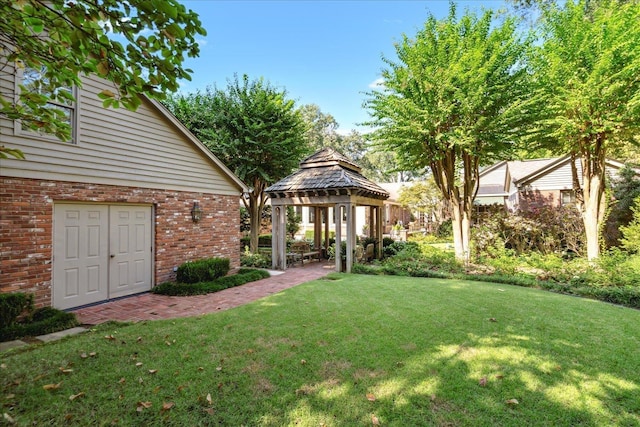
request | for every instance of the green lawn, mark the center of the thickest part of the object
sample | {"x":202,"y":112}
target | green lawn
{"x":358,"y":350}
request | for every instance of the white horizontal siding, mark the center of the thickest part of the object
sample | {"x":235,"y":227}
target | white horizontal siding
{"x":560,"y":178}
{"x":116,"y":147}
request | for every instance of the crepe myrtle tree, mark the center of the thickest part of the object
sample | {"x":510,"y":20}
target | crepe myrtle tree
{"x":139,"y":46}
{"x":253,"y":128}
{"x":442,"y":105}
{"x":585,"y":101}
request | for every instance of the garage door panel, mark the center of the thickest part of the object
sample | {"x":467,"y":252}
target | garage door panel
{"x":81,"y":254}
{"x":72,"y":279}
{"x":72,"y":243}
{"x":131,"y":238}
{"x":100,"y":252}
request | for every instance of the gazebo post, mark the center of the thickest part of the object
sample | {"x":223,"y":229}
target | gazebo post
{"x":379,"y":231}
{"x":278,"y":237}
{"x":326,"y":229}
{"x":351,"y":235}
{"x":337,"y":214}
{"x":317,"y":228}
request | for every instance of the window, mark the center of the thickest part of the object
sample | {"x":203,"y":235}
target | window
{"x":567,"y":197}
{"x":34,"y":81}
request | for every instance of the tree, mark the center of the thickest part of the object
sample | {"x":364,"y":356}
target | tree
{"x":442,"y":105}
{"x":586,"y":99}
{"x":253,"y":128}
{"x":66,"y":39}
{"x":631,"y":232}
{"x":322,"y":129}
{"x":625,"y":189}
{"x":424,"y":197}
{"x":293,"y":222}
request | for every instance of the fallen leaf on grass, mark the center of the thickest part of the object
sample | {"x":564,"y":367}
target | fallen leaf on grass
{"x":303,"y":362}
{"x":65,"y":371}
{"x":371,"y":397}
{"x":8,"y":418}
{"x":166,"y":406}
{"x":493,"y":319}
{"x":209,"y":411}
{"x":499,"y":377}
{"x":139,"y":339}
{"x":52,"y":386}
{"x":153,"y":371}
{"x":75,"y":396}
{"x":512,"y":402}
{"x":139,"y":364}
{"x":3,"y":366}
{"x":483,"y":382}
{"x":209,"y":400}
{"x":141,"y":406}
{"x":109,"y":337}
{"x":374,"y":420}
{"x":122,"y":380}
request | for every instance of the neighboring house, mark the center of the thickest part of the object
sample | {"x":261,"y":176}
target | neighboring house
{"x":110,"y":212}
{"x":547,"y":181}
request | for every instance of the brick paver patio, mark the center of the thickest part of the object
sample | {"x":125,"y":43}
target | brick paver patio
{"x":150,"y":306}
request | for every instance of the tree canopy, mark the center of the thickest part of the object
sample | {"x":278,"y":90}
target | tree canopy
{"x":137,"y":45}
{"x":585,"y":98}
{"x":253,"y":128}
{"x":443,"y":101}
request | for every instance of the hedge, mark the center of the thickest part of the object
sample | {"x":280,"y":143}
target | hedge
{"x":203,"y":270}
{"x":245,"y":275}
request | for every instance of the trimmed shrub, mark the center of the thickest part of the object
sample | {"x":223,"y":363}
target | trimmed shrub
{"x":43,"y":321}
{"x":13,"y":305}
{"x":203,"y":270}
{"x":259,"y":260}
{"x":245,"y":275}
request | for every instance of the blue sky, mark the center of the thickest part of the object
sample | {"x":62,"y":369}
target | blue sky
{"x":322,"y":52}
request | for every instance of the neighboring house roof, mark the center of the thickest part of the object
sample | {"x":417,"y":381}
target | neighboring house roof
{"x":328,"y":171}
{"x":199,"y":145}
{"x":503,"y":179}
{"x":394,"y":189}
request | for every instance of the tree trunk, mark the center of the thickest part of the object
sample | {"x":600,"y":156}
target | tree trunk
{"x":593,"y":210}
{"x":593,"y":204}
{"x":255,"y":207}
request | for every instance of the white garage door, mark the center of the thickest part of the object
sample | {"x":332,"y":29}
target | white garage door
{"x":100,"y":252}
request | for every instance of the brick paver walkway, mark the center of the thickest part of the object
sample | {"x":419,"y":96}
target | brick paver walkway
{"x":150,"y":306}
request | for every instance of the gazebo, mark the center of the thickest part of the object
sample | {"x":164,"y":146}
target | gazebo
{"x":326,"y":179}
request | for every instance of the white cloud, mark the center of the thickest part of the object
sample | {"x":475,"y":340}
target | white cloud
{"x":377,"y":84}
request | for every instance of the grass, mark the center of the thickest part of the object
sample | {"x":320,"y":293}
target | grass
{"x":355,"y":350}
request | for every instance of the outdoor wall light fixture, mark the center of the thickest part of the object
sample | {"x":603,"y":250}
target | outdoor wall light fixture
{"x":196,"y":212}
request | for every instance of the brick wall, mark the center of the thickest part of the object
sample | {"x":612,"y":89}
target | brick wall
{"x":26,"y":224}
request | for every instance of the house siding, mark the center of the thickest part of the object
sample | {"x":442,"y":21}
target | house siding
{"x":26,"y":219}
{"x":114,"y":147}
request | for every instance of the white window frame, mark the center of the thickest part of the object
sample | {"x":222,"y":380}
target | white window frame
{"x":74,"y":109}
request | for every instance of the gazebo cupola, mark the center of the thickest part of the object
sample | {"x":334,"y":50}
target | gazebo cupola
{"x":326,"y":179}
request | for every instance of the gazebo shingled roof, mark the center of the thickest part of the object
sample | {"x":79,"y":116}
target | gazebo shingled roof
{"x":327,"y":172}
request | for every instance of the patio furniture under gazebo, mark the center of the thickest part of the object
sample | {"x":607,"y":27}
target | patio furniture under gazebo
{"x":326,"y":179}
